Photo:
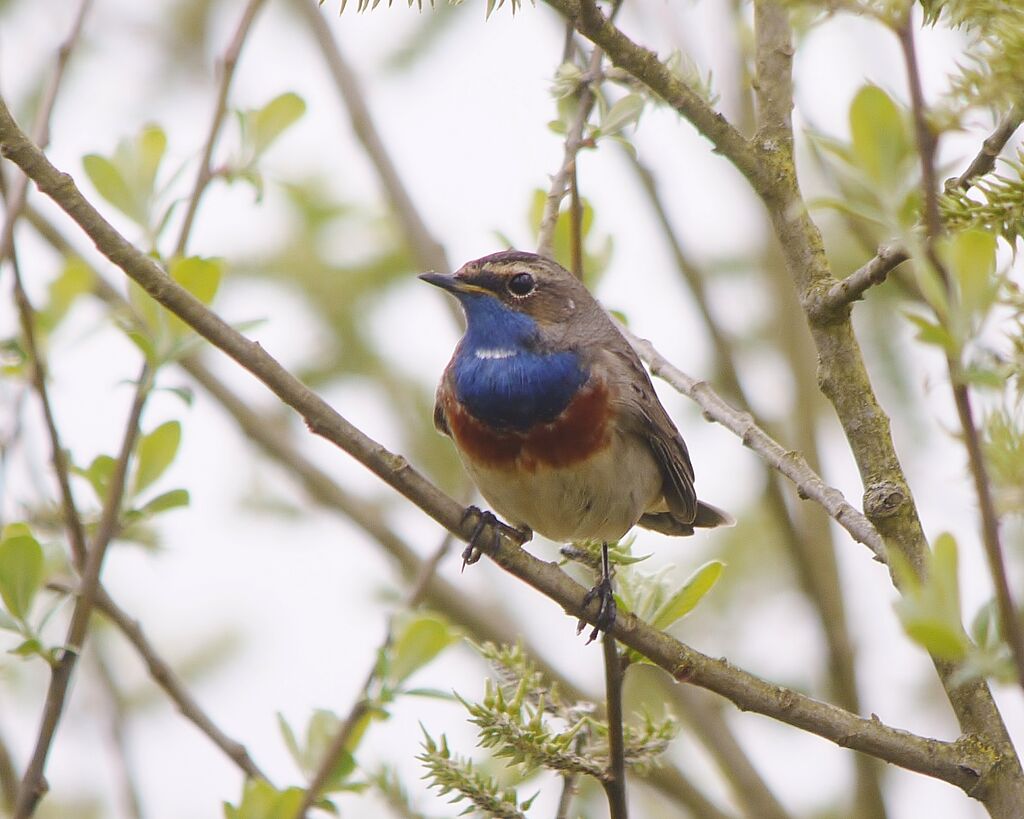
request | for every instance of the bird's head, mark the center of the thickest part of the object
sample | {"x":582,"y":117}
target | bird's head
{"x":521,"y":290}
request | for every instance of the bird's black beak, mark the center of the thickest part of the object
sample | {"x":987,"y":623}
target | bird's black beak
{"x":451,"y":283}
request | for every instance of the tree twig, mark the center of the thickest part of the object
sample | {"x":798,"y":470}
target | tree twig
{"x":15,"y":202}
{"x":227,"y":71}
{"x":339,"y":744}
{"x":574,"y":141}
{"x":848,"y":290}
{"x":31,"y":789}
{"x":926,"y":144}
{"x":985,"y":160}
{"x":164,"y":676}
{"x":428,"y":252}
{"x":615,"y":782}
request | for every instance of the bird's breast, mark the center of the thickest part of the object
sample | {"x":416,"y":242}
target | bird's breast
{"x":579,"y":431}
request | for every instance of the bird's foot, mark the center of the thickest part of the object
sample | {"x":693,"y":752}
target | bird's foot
{"x":606,"y":609}
{"x":471,"y":554}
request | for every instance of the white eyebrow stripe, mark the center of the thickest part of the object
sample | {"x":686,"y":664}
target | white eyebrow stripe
{"x":495,"y":352}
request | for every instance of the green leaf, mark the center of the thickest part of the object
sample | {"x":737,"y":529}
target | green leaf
{"x":175,"y":499}
{"x":622,"y":114}
{"x":686,"y":599}
{"x":928,"y":332}
{"x":880,"y":139}
{"x":938,"y":638}
{"x":127,"y":179}
{"x":155,"y":453}
{"x":972,"y":256}
{"x":74,"y":280}
{"x":930,"y":608}
{"x":110,"y":184}
{"x":418,"y":642}
{"x":7,"y":623}
{"x":261,"y":800}
{"x":21,"y":573}
{"x":98,"y":474}
{"x":201,"y":277}
{"x":266,"y":124}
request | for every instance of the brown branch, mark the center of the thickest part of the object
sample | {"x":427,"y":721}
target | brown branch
{"x":791,"y":464}
{"x":889,"y":257}
{"x":339,"y":744}
{"x":428,"y":252}
{"x":1010,"y":622}
{"x":16,"y":199}
{"x":963,"y":764}
{"x":163,"y":675}
{"x":615,"y":781}
{"x":574,"y":141}
{"x":645,"y":66}
{"x":205,"y":173}
{"x":32,"y":784}
{"x":985,"y":160}
{"x":846,"y":291}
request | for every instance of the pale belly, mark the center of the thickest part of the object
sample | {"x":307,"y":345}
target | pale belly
{"x":600,"y":498}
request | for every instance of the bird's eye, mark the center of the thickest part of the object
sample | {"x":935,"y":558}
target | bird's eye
{"x":521,"y":284}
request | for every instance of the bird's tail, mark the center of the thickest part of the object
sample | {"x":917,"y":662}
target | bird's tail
{"x":708,"y":517}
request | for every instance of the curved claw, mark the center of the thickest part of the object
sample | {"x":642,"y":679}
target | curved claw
{"x":471,"y":554}
{"x":606,"y":610}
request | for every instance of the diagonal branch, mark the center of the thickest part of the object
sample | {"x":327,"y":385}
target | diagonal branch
{"x":164,"y":676}
{"x":32,"y":784}
{"x":227,"y":72}
{"x":428,"y":252}
{"x":791,"y":464}
{"x":964,"y":764}
{"x":339,"y":744}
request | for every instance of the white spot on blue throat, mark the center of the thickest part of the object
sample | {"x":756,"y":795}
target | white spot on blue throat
{"x":494,"y":352}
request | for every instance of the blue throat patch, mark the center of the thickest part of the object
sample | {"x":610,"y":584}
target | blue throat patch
{"x":501,"y":377}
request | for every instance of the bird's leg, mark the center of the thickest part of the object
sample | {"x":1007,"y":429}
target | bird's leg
{"x":471,"y":554}
{"x":606,"y":600}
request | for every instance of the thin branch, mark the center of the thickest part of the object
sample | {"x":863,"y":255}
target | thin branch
{"x":164,"y":676}
{"x":58,"y":455}
{"x":8,"y":777}
{"x":926,"y":143}
{"x":963,"y":764}
{"x":790,"y":463}
{"x":428,"y":252}
{"x":339,"y":744}
{"x":645,"y":65}
{"x":32,"y":783}
{"x":15,"y":197}
{"x":15,"y":200}
{"x":985,"y":160}
{"x":853,"y":287}
{"x":574,"y":141}
{"x":205,"y":173}
{"x":889,"y":257}
{"x":117,"y":721}
{"x":615,"y":781}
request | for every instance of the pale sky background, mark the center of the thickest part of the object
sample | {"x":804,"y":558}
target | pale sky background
{"x":467,"y":132}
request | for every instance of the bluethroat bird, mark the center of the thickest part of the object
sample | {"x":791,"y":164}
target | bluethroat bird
{"x":554,"y":416}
